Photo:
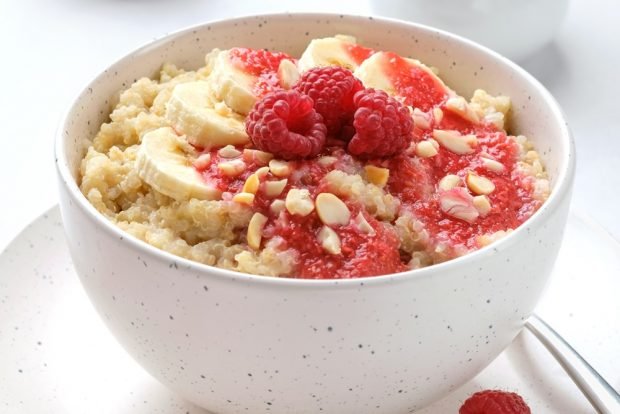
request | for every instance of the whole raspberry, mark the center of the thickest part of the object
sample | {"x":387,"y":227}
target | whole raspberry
{"x":382,"y":124}
{"x":332,"y":89}
{"x":285,"y":124}
{"x":494,"y":402}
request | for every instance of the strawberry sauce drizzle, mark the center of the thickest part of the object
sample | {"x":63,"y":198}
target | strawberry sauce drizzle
{"x":260,"y":63}
{"x":419,"y":88}
{"x":212,"y":175}
{"x":415,"y":181}
{"x":358,"y":53}
{"x":361,"y":254}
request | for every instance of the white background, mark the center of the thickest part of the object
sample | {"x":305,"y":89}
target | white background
{"x":50,"y":49}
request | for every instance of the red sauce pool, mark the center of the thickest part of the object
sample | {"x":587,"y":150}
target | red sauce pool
{"x":511,"y":201}
{"x":361,"y":254}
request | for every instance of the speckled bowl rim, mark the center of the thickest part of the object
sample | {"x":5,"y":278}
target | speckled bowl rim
{"x":561,"y":189}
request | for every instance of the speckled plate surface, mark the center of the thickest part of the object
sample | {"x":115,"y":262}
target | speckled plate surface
{"x":56,"y":356}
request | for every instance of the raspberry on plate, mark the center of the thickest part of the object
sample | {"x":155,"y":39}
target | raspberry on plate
{"x":332,"y":89}
{"x":494,"y":402}
{"x":383,"y":125}
{"x":286,"y":124}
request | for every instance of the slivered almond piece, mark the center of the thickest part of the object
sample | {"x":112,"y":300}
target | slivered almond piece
{"x":495,"y":118}
{"x":231,"y":168}
{"x":437,"y":115}
{"x":244,"y":198}
{"x":259,"y":157}
{"x":298,"y":202}
{"x":255,"y":230}
{"x":275,"y":188}
{"x":279,"y":168}
{"x":262,"y":172}
{"x":277,"y":206}
{"x":228,"y":151}
{"x":377,"y":175}
{"x":458,"y":203}
{"x":327,"y":160}
{"x":202,"y":161}
{"x":427,"y":148}
{"x":492,"y":165}
{"x":332,"y":210}
{"x":482,"y":204}
{"x":288,"y":74}
{"x":455,"y":142}
{"x":421,"y":119}
{"x":329,"y":240}
{"x":478,"y":184}
{"x":362,"y":224}
{"x":222,"y":109}
{"x":530,"y":156}
{"x":459,"y":106}
{"x":449,"y":182}
{"x":251,"y":184}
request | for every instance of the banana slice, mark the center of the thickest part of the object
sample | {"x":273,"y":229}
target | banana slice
{"x":333,"y":51}
{"x":163,"y":165}
{"x":372,"y":72}
{"x":231,"y":84}
{"x":193,"y":110}
{"x":415,"y":83}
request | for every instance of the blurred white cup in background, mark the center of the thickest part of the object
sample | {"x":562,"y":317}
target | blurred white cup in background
{"x":514,"y":28}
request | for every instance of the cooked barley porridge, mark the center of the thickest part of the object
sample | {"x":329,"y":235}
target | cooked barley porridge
{"x":344,"y":162}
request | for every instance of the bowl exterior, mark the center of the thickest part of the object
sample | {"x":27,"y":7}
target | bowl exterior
{"x":239,"y":343}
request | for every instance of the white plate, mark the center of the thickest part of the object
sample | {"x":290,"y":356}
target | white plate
{"x":56,"y":356}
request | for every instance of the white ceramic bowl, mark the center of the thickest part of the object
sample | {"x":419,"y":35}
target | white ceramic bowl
{"x":234,"y":342}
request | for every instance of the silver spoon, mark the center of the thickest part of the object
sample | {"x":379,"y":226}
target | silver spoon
{"x":601,"y":395}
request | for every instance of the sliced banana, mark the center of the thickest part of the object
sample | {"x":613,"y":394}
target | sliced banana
{"x":163,"y":165}
{"x":193,"y":111}
{"x":375,"y":72}
{"x":372,"y":73}
{"x":231,"y":84}
{"x":328,"y":51}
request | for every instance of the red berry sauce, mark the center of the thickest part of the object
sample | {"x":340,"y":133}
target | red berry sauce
{"x":212,"y":175}
{"x":260,"y":63}
{"x":361,"y":254}
{"x":419,"y":88}
{"x":511,"y":201}
{"x":358,"y":53}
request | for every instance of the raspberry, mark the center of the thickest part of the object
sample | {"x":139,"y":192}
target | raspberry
{"x":332,"y":89}
{"x":383,"y":125}
{"x":494,"y":402}
{"x":285,"y":124}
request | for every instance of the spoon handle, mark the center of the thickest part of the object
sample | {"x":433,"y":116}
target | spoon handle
{"x":601,"y":395}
